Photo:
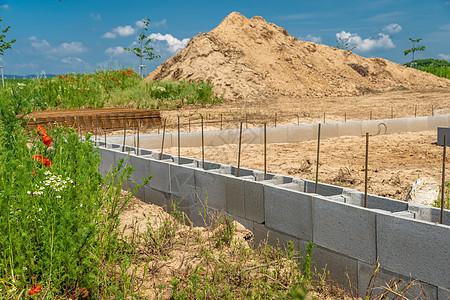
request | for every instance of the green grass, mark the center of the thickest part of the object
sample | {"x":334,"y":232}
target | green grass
{"x":438,"y":71}
{"x":107,"y":88}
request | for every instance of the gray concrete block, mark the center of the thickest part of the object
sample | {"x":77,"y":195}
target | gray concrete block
{"x":288,"y":211}
{"x":264,"y":235}
{"x":383,"y":278}
{"x":323,"y":189}
{"x":141,"y":168}
{"x":414,"y":248}
{"x":155,"y":197}
{"x":440,"y":135}
{"x":277,"y":134}
{"x":435,"y":121}
{"x":345,"y":229}
{"x":392,"y":205}
{"x":160,"y":172}
{"x":338,"y":265}
{"x":417,"y":124}
{"x":329,"y":130}
{"x":211,"y":185}
{"x":429,"y":213}
{"x":443,"y":294}
{"x":182,"y":180}
{"x":107,"y":161}
{"x":254,"y":201}
{"x":349,"y":129}
{"x":234,"y":191}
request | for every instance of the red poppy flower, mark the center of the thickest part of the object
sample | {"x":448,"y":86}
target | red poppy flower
{"x":47,"y":140}
{"x":41,"y":130}
{"x":42,"y":83}
{"x":35,"y":290}
{"x":189,"y":80}
{"x":43,"y":160}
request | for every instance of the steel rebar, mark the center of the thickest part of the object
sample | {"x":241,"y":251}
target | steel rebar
{"x":239,"y":151}
{"x":365,"y":169}
{"x":138,"y":125}
{"x":317,"y":163}
{"x":443,"y":180}
{"x":265,"y":151}
{"x":203,"y":147}
{"x":179,"y":155}
{"x":124,"y":132}
{"x":162,"y":142}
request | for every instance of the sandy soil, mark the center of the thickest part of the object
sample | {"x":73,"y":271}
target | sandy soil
{"x":395,"y":160}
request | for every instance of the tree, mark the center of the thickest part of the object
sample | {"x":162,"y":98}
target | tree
{"x":414,"y":48}
{"x":343,"y":44}
{"x":145,"y":51}
{"x":4,"y":45}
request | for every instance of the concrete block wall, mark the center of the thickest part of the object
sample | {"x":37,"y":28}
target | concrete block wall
{"x":287,"y":134}
{"x":440,"y":135}
{"x":401,"y":236}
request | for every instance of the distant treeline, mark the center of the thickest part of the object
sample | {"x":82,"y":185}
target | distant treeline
{"x":29,"y":76}
{"x":429,"y":62}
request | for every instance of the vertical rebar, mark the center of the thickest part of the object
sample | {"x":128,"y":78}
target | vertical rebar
{"x":138,"y":125}
{"x":324,"y":117}
{"x":203,"y":148}
{"x":179,"y":155}
{"x":345,"y":117}
{"x":415,"y":111}
{"x":265,"y":151}
{"x":317,"y":163}
{"x":392,"y":112}
{"x":298,"y":120}
{"x":162,"y":142}
{"x":124,"y":132}
{"x":105,"y":133}
{"x":246,"y":121}
{"x":239,"y":151}
{"x":79,"y":126}
{"x":276,"y":119}
{"x":365,"y":169}
{"x":189,"y":124}
{"x":443,"y":180}
{"x":221,"y":117}
{"x":432,"y":110}
{"x":371,"y":115}
{"x":96,"y":128}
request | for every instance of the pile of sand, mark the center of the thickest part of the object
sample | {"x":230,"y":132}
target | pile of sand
{"x":250,"y":58}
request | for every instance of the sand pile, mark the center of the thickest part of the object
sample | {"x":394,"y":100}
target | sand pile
{"x":250,"y":58}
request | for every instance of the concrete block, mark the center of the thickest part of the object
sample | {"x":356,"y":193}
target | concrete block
{"x":429,"y":213}
{"x":417,"y":124}
{"x":288,"y":211}
{"x":213,"y":185}
{"x":414,"y":248}
{"x":248,"y":224}
{"x":300,"y":133}
{"x":345,"y":229}
{"x":107,"y":161}
{"x":435,"y":121}
{"x":264,"y":235}
{"x":141,"y":168}
{"x":155,"y":197}
{"x":254,"y":201}
{"x":392,"y":205}
{"x":440,"y":135}
{"x":182,"y":180}
{"x":443,"y":294}
{"x":372,"y":127}
{"x":160,"y":172}
{"x":338,"y":265}
{"x":277,"y":134}
{"x":349,"y":129}
{"x":234,"y":191}
{"x":329,"y":130}
{"x":383,"y":278}
{"x":323,"y":189}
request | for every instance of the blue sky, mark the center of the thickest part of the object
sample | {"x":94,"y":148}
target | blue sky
{"x":83,"y":35}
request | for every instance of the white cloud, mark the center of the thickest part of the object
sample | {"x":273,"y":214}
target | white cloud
{"x":173,"y":43}
{"x":444,"y":56}
{"x":4,"y":6}
{"x":109,"y":35}
{"x":96,"y":17}
{"x":384,"y":41}
{"x":163,"y":22}
{"x":393,"y":28}
{"x":123,"y":31}
{"x":310,"y":38}
{"x":62,"y":49}
{"x":115,"y":51}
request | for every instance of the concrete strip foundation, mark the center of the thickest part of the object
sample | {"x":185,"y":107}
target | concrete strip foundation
{"x":401,"y":236}
{"x":287,"y":134}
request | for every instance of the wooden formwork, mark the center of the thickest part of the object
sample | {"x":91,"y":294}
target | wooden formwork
{"x":101,"y":118}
